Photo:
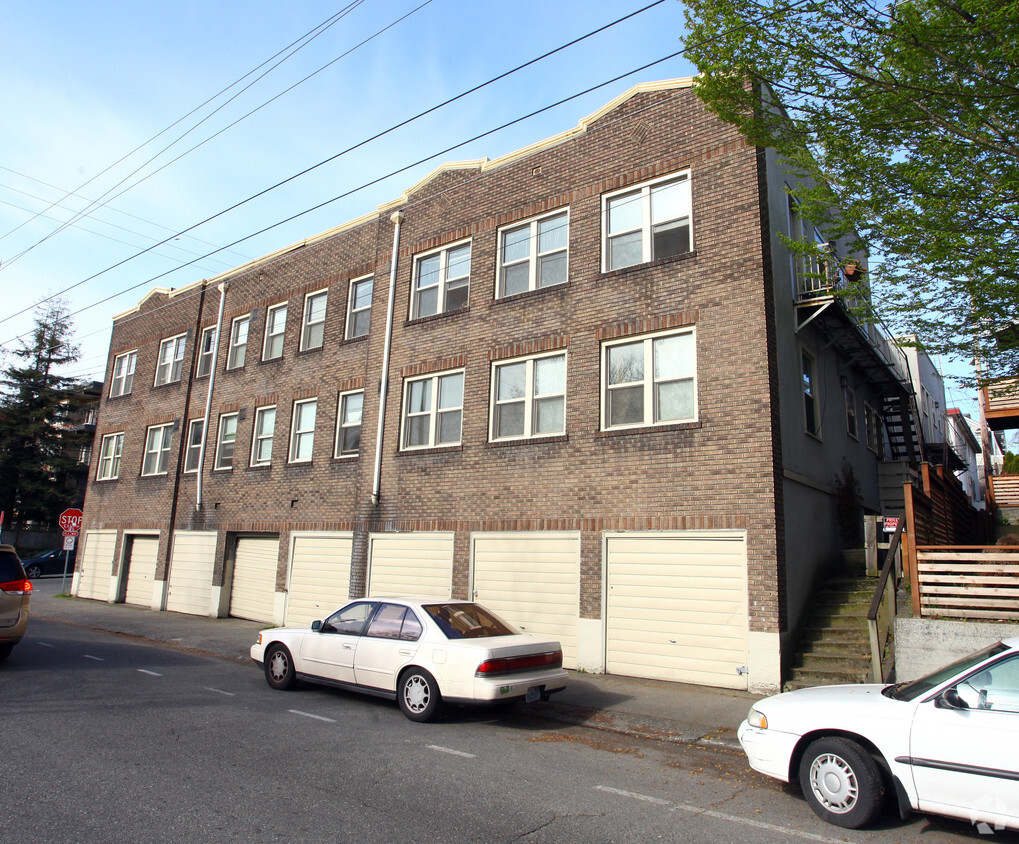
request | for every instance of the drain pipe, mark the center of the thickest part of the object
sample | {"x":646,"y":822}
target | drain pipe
{"x":208,"y":396}
{"x":396,"y":220}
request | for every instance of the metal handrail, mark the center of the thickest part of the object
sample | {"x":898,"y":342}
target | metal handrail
{"x":875,"y":604}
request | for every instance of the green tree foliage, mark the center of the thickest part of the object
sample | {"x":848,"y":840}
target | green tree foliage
{"x":1010,"y":466}
{"x":38,"y":450}
{"x":904,"y":116}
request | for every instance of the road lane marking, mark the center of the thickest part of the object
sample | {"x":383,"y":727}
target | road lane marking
{"x":309,"y":715}
{"x":722,"y":816}
{"x":219,"y":691}
{"x":96,"y":658}
{"x":150,"y":673}
{"x":45,"y":645}
{"x":451,"y":751}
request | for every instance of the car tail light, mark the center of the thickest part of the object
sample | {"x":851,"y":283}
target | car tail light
{"x":509,"y":664}
{"x":17,"y":587}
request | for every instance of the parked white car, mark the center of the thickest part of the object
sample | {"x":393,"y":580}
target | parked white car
{"x":947,"y":743}
{"x":421,"y":653}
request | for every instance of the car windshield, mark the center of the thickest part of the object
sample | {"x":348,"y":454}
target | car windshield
{"x":467,"y":621}
{"x":915,"y":688}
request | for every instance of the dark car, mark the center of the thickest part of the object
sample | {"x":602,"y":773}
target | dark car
{"x":14,"y":591}
{"x":49,"y":562}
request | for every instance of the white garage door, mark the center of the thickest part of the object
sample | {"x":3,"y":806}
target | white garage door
{"x":97,"y":564}
{"x":411,"y":564}
{"x":254,"y":580}
{"x":676,"y":607}
{"x":140,"y":559}
{"x":319,"y":576}
{"x":192,"y":561}
{"x":533,"y":581}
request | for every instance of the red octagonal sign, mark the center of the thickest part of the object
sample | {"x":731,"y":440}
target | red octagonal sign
{"x":70,"y":521}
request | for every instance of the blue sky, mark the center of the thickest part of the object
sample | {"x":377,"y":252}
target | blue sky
{"x":86,"y":84}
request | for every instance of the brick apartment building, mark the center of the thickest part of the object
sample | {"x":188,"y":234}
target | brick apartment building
{"x":614,"y":410}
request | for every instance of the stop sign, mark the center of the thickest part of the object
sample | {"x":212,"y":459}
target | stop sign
{"x":70,"y":521}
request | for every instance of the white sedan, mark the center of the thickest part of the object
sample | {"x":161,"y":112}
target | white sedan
{"x":947,"y":743}
{"x":420,"y":652}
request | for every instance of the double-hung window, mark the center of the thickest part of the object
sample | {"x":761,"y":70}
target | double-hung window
{"x":196,"y":430}
{"x":348,"y":424}
{"x":261,"y":439}
{"x":238,"y":342}
{"x":109,"y":457}
{"x":441,"y":281}
{"x":359,"y":307}
{"x":314,"y":325}
{"x":157,"y":449}
{"x":275,"y":327}
{"x":875,"y":438}
{"x":646,"y":223}
{"x":529,"y":397}
{"x":206,"y":348}
{"x":226,"y":440}
{"x":650,"y":381}
{"x":533,"y":255}
{"x":811,"y":413}
{"x":171,"y":359}
{"x":852,"y":428}
{"x":302,"y":431}
{"x":433,"y":410}
{"x":123,"y":374}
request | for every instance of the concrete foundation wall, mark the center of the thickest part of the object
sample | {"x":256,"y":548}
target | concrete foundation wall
{"x":923,"y":645}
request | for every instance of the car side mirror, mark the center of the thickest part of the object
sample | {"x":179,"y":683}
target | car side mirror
{"x":316,"y":626}
{"x":950,"y":699}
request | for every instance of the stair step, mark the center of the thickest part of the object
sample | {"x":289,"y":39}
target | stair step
{"x":812,"y":677}
{"x":838,"y":663}
{"x":839,"y":647}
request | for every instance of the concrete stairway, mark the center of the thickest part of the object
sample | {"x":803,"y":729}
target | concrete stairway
{"x":834,"y":642}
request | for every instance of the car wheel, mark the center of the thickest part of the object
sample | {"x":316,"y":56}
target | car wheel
{"x":33,"y":571}
{"x":841,"y":782}
{"x":418,"y":694}
{"x":279,"y":668}
{"x":5,"y":651}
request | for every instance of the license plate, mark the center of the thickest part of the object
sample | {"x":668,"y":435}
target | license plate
{"x":533,"y":694}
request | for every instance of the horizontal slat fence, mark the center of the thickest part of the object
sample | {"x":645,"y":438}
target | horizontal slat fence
{"x":967,"y":581}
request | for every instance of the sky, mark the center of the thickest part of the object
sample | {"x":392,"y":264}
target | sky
{"x":128,"y":124}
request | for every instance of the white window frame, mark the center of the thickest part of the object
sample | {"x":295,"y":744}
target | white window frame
{"x":649,"y":381}
{"x":271,"y":335}
{"x":852,"y":417}
{"x":353,"y":312}
{"x":535,"y":258}
{"x":529,"y":399}
{"x":157,"y":450}
{"x":169,"y":367}
{"x":223,"y":438}
{"x":642,"y":193}
{"x":259,"y":436}
{"x":207,"y":346}
{"x":191,"y":447}
{"x":299,"y":435}
{"x":811,"y":405}
{"x":238,"y":351}
{"x":110,"y":453}
{"x":433,"y":413}
{"x":309,"y":327}
{"x":342,"y":425}
{"x":443,"y":283}
{"x":122,"y":378}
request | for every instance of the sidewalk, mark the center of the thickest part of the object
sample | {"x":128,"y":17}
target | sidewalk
{"x":650,"y":708}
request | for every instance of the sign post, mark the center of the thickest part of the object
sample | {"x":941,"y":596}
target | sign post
{"x":70,"y":524}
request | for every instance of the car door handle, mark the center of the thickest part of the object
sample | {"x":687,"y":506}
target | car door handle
{"x":406,"y":652}
{"x":347,"y":647}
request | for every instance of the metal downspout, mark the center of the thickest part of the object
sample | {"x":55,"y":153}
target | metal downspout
{"x":208,"y":396}
{"x":397,"y":220}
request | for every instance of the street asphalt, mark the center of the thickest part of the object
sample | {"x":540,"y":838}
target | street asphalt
{"x":655,"y":709}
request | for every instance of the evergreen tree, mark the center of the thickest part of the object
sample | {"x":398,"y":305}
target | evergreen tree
{"x":38,"y":449}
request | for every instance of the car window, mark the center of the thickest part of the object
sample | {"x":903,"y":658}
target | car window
{"x":351,"y":619}
{"x":915,"y":688}
{"x":412,"y":628}
{"x":994,"y":688}
{"x":467,"y":621}
{"x":10,"y":567}
{"x":388,"y":622}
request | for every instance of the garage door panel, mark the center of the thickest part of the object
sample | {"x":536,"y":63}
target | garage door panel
{"x":97,"y":564}
{"x":319,"y":576}
{"x":253,"y":593}
{"x":141,"y":558}
{"x":415,"y":564}
{"x":192,"y":562}
{"x":676,"y":607}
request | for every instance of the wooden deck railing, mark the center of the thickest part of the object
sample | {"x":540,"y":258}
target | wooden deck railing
{"x":967,"y":581}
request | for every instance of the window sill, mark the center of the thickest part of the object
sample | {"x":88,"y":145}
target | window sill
{"x":155,"y":477}
{"x":432,"y":317}
{"x":259,"y":467}
{"x":530,"y":294}
{"x":350,"y":341}
{"x":166,"y":384}
{"x":652,"y":429}
{"x":117,"y":397}
{"x":556,"y":438}
{"x":106,"y":480}
{"x":441,"y":449}
{"x":661,"y":262}
{"x":346,"y":458}
{"x":317,"y":349}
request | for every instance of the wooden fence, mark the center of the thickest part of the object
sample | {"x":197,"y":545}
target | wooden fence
{"x":966,"y":581}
